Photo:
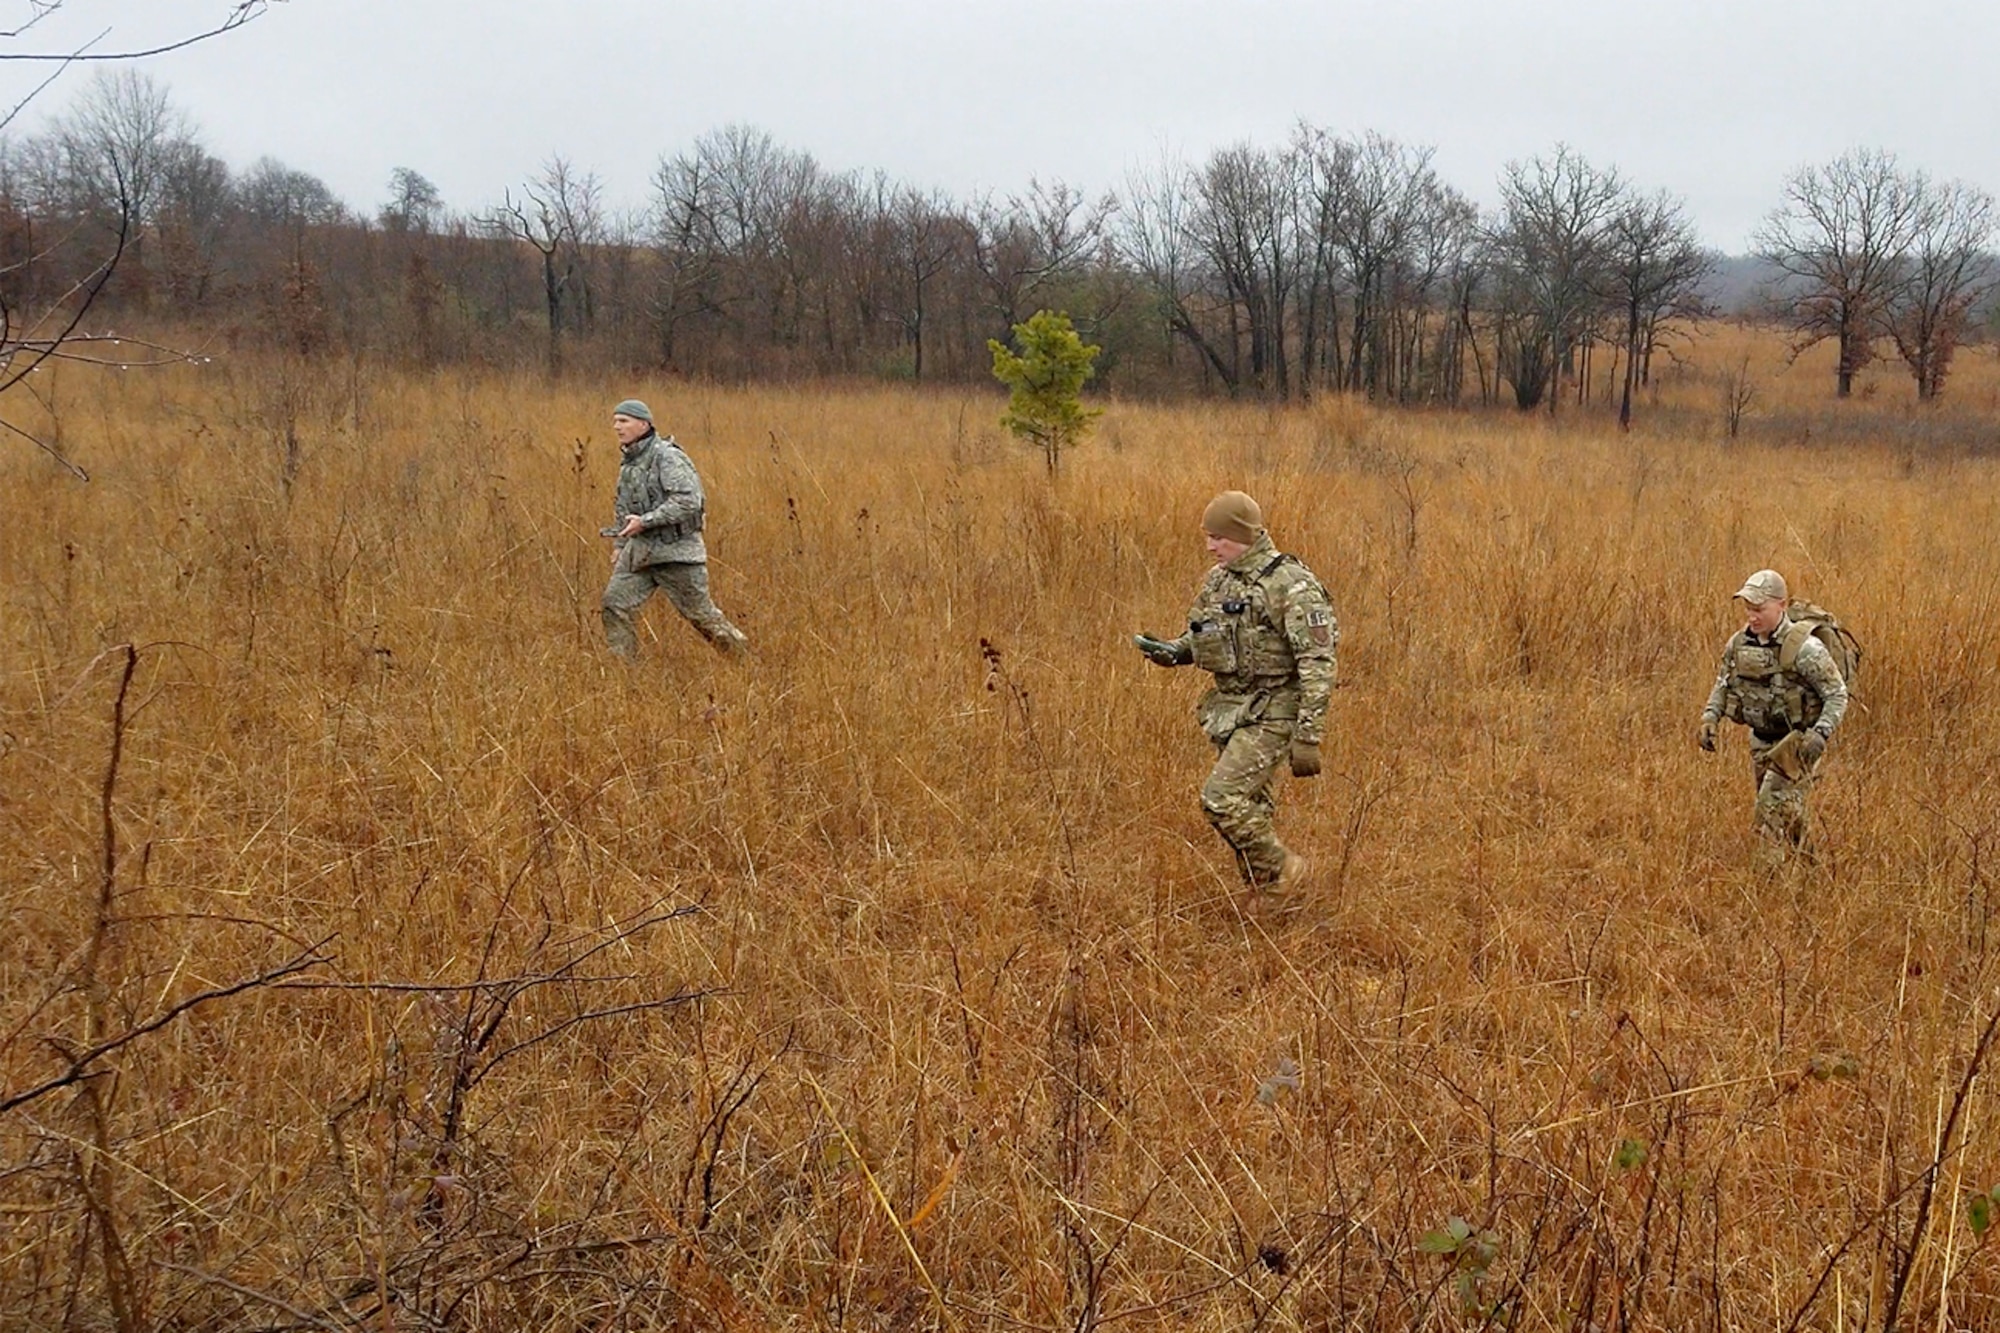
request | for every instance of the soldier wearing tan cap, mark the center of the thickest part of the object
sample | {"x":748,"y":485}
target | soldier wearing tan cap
{"x":1264,"y":626}
{"x":1782,"y":683}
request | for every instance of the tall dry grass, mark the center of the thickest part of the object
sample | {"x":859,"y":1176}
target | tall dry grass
{"x":888,"y":980}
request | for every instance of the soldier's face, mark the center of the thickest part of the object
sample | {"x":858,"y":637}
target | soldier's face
{"x":628,"y":428}
{"x":1223,"y":549}
{"x":1761,"y":617}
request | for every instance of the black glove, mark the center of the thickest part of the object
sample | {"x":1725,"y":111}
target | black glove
{"x":1705,"y":738}
{"x":1158,"y":651}
{"x":1811,"y":746}
{"x":1305,"y":759}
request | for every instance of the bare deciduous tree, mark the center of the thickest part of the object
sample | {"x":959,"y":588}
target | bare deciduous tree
{"x":1374,"y":226}
{"x":1245,"y":223}
{"x":1155,"y":236}
{"x":927,"y":235}
{"x":273,"y":194}
{"x":414,"y":204}
{"x":1739,"y":390}
{"x":1329,"y":262}
{"x":559,"y":215}
{"x":117,"y":142}
{"x":1446,"y":273}
{"x":1947,"y":272}
{"x":1326,"y":167}
{"x":744,"y":223}
{"x":191,"y":219}
{"x":1035,"y":241}
{"x":685,"y":246}
{"x":111,"y":150}
{"x":1549,"y":255}
{"x":1653,"y":272}
{"x":1840,"y":241}
{"x":102,"y":168}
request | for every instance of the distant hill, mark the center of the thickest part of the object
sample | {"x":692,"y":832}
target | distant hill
{"x":1735,"y":284}
{"x":1739,"y":285}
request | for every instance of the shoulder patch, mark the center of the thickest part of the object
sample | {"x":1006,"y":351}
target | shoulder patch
{"x":1319,"y":624}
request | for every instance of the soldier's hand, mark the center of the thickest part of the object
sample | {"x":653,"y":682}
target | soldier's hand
{"x":1705,"y":738}
{"x":1305,"y":759}
{"x":631,"y":528}
{"x":1158,"y":651}
{"x":1811,"y":746}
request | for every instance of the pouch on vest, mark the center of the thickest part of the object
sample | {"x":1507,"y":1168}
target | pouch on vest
{"x":1214,"y":645}
{"x":1746,"y":698}
{"x":1760,"y":706}
{"x":1266,"y":652}
{"x":1754,"y":663}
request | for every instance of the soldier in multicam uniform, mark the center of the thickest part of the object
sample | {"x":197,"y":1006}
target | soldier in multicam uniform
{"x":658,"y":541}
{"x":1783,"y":684}
{"x":1266,"y":629}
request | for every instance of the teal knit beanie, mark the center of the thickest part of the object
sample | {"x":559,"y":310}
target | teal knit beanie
{"x":632,"y":407}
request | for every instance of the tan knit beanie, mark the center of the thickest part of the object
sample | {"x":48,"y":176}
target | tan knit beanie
{"x":1235,"y":516}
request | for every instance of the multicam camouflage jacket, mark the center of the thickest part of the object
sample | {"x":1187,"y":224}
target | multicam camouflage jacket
{"x":1266,"y":629}
{"x":657,"y":482}
{"x":1776,"y":683}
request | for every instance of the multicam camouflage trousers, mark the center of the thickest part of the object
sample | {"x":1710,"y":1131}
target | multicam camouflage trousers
{"x":1781,"y":801}
{"x":1237,"y":796}
{"x":686,"y":586}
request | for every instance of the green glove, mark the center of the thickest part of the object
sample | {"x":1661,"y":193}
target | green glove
{"x":1158,"y":651}
{"x":1705,"y":738}
{"x":1812,"y":746}
{"x":1305,"y":759}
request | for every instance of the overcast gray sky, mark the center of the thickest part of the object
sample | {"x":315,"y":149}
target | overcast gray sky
{"x":1713,"y":99}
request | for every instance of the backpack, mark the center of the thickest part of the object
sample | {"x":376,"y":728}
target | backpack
{"x":1814,"y":620}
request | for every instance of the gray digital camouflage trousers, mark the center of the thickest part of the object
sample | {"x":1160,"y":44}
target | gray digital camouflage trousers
{"x":686,"y":586}
{"x":1237,"y":796}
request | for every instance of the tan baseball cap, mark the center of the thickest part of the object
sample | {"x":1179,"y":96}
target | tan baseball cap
{"x":1766,"y":585}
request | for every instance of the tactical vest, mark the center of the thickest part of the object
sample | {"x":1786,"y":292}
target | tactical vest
{"x":1764,"y":690}
{"x":1236,"y":635}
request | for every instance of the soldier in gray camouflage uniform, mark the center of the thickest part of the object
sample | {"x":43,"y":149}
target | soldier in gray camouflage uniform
{"x":1780,"y":682}
{"x":657,"y":538}
{"x":1264,"y":626}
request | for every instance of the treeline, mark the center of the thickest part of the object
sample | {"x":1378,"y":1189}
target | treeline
{"x":1326,"y":263}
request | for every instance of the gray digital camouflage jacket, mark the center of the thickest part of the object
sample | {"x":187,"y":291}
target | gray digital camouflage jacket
{"x":658,"y":482}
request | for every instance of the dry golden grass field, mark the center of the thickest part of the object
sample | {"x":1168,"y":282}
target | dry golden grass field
{"x":380,"y":955}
